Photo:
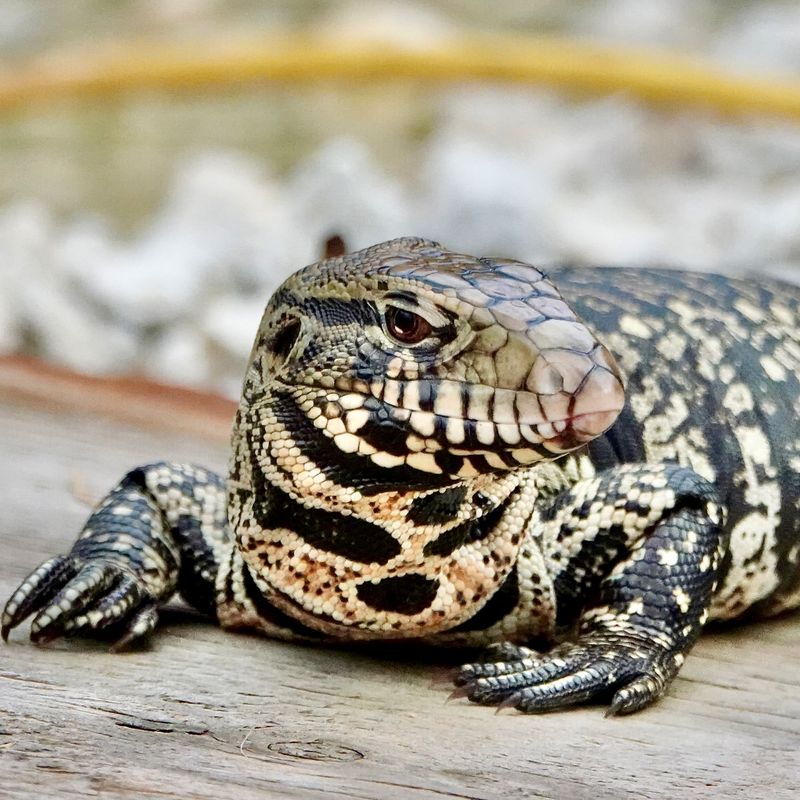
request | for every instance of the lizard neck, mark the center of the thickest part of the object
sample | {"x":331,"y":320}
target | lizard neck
{"x":358,"y":554}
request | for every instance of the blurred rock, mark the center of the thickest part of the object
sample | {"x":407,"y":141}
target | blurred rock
{"x":341,"y":190}
{"x":179,"y":356}
{"x":479,"y":198}
{"x":10,"y":329}
{"x":25,"y":232}
{"x":66,"y":331}
{"x":762,"y":37}
{"x":42,"y":307}
{"x":409,"y":24}
{"x":507,"y":171}
{"x":224,"y":224}
{"x":19,"y":20}
{"x":680,"y":24}
{"x":230,"y":323}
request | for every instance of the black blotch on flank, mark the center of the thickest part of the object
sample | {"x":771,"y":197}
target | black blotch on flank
{"x":483,"y":502}
{"x":403,"y":594}
{"x":437,"y":508}
{"x":500,"y":605}
{"x":471,"y":531}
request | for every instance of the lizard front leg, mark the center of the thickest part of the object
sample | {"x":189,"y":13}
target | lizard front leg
{"x":634,"y":556}
{"x":162,"y":528}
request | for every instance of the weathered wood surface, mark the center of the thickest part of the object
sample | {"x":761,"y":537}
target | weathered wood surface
{"x":208,"y":714}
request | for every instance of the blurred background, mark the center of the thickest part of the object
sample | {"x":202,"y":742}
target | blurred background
{"x":143,"y":231}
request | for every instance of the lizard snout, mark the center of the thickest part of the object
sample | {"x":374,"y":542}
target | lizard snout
{"x":579,"y":394}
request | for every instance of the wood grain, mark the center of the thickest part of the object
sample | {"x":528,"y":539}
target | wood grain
{"x":208,"y":714}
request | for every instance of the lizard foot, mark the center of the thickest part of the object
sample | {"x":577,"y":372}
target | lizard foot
{"x":633,"y":674}
{"x":72,"y":596}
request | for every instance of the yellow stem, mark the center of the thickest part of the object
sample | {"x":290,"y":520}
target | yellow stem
{"x":569,"y":65}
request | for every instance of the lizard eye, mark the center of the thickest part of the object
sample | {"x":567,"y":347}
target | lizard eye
{"x":406,"y":326}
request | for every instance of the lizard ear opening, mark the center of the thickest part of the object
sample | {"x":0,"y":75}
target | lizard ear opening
{"x":286,"y":338}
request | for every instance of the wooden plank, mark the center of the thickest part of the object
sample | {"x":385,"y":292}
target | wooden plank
{"x":133,"y":398}
{"x":208,"y":714}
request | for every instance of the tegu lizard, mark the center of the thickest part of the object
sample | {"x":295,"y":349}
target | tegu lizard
{"x":432,"y":446}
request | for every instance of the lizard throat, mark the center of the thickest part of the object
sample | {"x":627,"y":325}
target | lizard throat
{"x":388,"y":576}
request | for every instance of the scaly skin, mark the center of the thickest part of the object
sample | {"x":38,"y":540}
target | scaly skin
{"x":432,"y":446}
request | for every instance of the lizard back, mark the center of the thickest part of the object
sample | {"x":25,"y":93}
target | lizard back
{"x":712,"y":367}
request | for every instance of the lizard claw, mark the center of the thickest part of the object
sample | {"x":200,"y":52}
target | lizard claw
{"x":78,"y":594}
{"x":122,"y":599}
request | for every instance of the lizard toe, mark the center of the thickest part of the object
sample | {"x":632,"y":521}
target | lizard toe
{"x":37,"y":590}
{"x":120,"y":602}
{"x":571,"y":673}
{"x":494,"y":670}
{"x":90,"y":582}
{"x":507,"y":651}
{"x":141,"y":625}
{"x":639,"y":693}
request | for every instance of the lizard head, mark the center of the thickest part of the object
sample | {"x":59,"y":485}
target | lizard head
{"x":412,"y":356}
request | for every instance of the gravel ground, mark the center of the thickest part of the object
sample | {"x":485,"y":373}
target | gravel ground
{"x":525,"y":173}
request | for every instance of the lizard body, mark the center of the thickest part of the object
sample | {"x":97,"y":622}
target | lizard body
{"x":436,"y":447}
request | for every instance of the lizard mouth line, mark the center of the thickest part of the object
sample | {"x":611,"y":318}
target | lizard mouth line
{"x":566,"y":433}
{"x":506,"y":410}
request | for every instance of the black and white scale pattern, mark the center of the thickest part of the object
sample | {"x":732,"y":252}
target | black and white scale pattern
{"x":438,"y":447}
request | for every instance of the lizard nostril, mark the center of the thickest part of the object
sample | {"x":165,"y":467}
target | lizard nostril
{"x":544,"y":378}
{"x":559,"y":371}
